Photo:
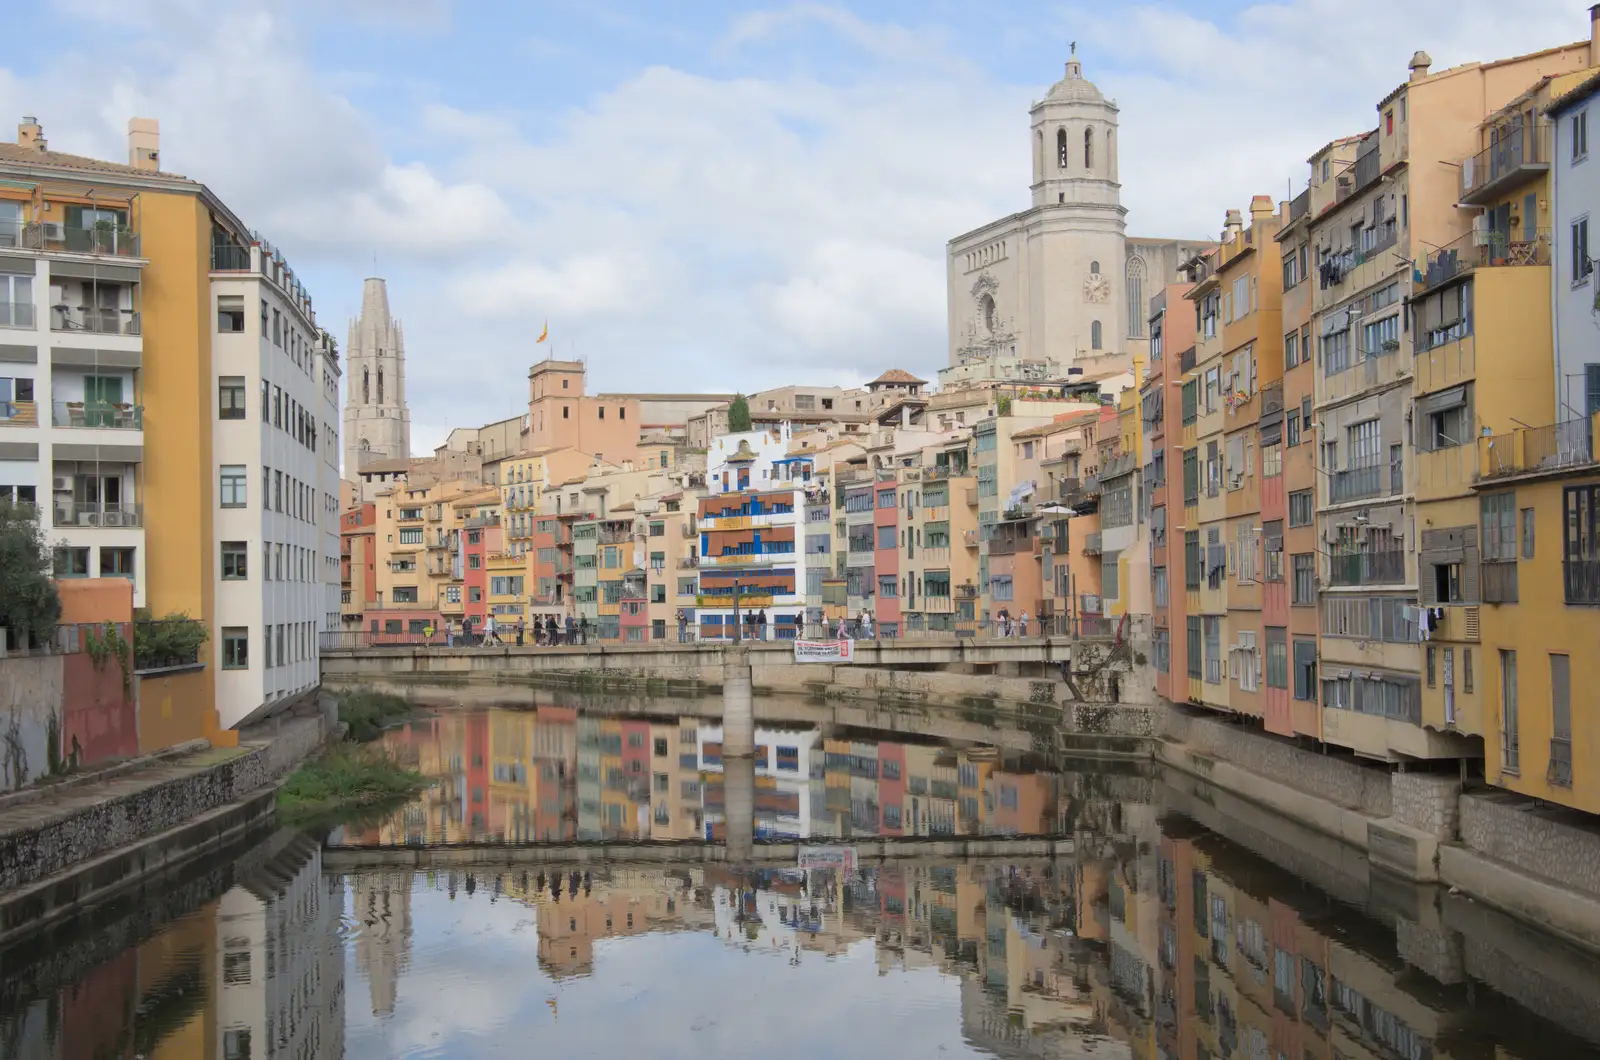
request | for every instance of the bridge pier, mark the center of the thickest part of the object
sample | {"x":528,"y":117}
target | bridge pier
{"x":739,"y":807}
{"x":738,"y":706}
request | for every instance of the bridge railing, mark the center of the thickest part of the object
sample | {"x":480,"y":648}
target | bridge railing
{"x":1081,"y":627}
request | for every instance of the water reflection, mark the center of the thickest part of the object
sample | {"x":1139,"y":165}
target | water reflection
{"x":551,"y":774}
{"x":1180,"y":927}
{"x":257,"y":970}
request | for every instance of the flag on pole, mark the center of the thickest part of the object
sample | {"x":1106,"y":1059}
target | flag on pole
{"x":545,"y":334}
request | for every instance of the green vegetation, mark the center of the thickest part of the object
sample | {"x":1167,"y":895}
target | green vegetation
{"x":367,"y":713}
{"x":171,"y":641}
{"x":738,"y":415}
{"x":347,"y":777}
{"x":29,"y":606}
{"x":103,"y":643}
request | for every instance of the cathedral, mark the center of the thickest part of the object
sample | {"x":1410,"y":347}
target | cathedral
{"x":1060,"y":285}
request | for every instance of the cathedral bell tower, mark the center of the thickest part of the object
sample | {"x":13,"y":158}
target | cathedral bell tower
{"x":1075,"y":143}
{"x":377,"y":423}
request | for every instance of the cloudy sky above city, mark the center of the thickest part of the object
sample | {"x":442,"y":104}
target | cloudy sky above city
{"x":700,"y":194}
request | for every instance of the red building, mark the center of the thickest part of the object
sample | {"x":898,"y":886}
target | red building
{"x":891,"y":788}
{"x":481,"y":537}
{"x":358,"y":578}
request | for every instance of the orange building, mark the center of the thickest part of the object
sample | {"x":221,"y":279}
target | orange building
{"x":561,"y":416}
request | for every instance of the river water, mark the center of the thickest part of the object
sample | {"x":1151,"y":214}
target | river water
{"x":1182,"y":925}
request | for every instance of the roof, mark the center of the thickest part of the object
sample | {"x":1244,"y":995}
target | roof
{"x":28,"y":155}
{"x":489,"y":496}
{"x":1066,"y":423}
{"x":385,"y":466}
{"x":896,"y":375}
{"x":1567,"y":101}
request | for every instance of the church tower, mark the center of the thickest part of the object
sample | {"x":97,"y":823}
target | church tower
{"x":377,"y":424}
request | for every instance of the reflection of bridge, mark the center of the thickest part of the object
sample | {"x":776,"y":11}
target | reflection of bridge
{"x":500,"y":856}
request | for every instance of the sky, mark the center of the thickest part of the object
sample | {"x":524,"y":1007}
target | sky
{"x":701,"y":194}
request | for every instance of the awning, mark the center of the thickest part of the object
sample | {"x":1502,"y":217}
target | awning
{"x":1443,"y":400}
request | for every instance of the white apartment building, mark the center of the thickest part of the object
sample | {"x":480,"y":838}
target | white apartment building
{"x":276,"y":448}
{"x":1575,"y":195}
{"x":71,"y":357}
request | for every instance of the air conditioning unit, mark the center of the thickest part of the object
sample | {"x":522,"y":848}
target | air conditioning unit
{"x":1480,"y":230}
{"x":54,"y":231}
{"x":62,"y":484}
{"x":88,"y":518}
{"x":111,"y":519}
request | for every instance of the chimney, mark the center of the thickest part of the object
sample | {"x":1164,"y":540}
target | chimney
{"x":31,"y":134}
{"x":1233,"y":226}
{"x":1594,"y":35}
{"x":144,"y":142}
{"x":1419,"y":65}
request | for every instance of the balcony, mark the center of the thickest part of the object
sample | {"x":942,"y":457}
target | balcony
{"x":1089,"y":603}
{"x":615,"y":535}
{"x":1358,"y":483}
{"x":1484,"y":248}
{"x":972,"y":497}
{"x":1499,"y":581}
{"x":1581,"y":578}
{"x":1091,"y":544}
{"x":1186,"y":360}
{"x":19,"y":414}
{"x":1559,"y":772}
{"x":966,"y":591}
{"x":97,"y":415}
{"x":1382,"y":567}
{"x":1517,"y":154}
{"x":17,"y":315}
{"x":969,"y":538}
{"x":1271,"y":399}
{"x":88,"y":513}
{"x":94,"y":321}
{"x":54,"y":237}
{"x":1536,"y":450}
{"x":226,"y":258}
{"x":478,"y":522}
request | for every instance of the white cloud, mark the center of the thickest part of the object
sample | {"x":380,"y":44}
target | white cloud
{"x":772,"y":207}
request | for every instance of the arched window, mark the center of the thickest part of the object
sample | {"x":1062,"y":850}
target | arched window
{"x":1094,"y":268}
{"x":1094,"y":335}
{"x":366,"y":386}
{"x":1088,"y":149}
{"x":380,"y":386}
{"x":1038,"y":155}
{"x":986,"y":306}
{"x":1061,"y":148}
{"x":1136,"y":307}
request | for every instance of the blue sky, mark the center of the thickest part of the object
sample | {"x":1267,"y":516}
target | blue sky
{"x":700,"y":195}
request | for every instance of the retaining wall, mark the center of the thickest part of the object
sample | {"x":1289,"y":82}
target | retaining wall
{"x":1549,"y":843}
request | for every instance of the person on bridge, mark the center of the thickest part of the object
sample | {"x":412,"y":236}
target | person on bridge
{"x":489,"y":635}
{"x":1022,"y":623}
{"x":450,"y":633}
{"x":683,"y":627}
{"x":583,"y":630}
{"x":519,"y":632}
{"x":572,"y":629}
{"x":761,"y":624}
{"x":552,"y":634}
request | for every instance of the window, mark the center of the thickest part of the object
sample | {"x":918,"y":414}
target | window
{"x":1305,"y":670}
{"x":1277,"y":657}
{"x":475,"y":562}
{"x":1362,"y":444}
{"x":1272,"y":550}
{"x":887,"y":587}
{"x":232,"y":486}
{"x":1499,"y":535}
{"x":230,"y":313}
{"x":235,"y":648}
{"x":1094,"y":335}
{"x":1559,"y":771}
{"x":886,"y":498}
{"x":1302,"y":507}
{"x":1579,"y":126}
{"x":71,"y":562}
{"x":1088,"y":162}
{"x":1527,"y":533}
{"x":1444,"y":426}
{"x":1581,"y":265}
{"x":1510,"y":749}
{"x":235,"y":566}
{"x":1158,"y":586}
{"x":1192,"y":640}
{"x":1303,"y":588}
{"x":886,"y":537}
{"x":230,"y":397}
{"x":1211,"y":626}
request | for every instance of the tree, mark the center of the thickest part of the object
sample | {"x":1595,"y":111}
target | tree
{"x":738,"y":415}
{"x":29,"y":606}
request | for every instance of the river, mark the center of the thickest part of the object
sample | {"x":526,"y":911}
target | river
{"x":1180,"y":925}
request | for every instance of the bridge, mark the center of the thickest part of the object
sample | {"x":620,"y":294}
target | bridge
{"x":490,"y":857}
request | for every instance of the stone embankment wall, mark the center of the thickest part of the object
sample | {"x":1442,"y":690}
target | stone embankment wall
{"x":1553,"y":843}
{"x":60,"y":840}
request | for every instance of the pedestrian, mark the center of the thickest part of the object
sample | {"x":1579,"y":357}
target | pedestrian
{"x":583,"y":630}
{"x":761,"y":624}
{"x":450,"y":633}
{"x":519,"y":632}
{"x":572,"y":630}
{"x":866,"y":624}
{"x":838,"y":633}
{"x":1022,"y":624}
{"x":552,"y":635}
{"x":683,"y":627}
{"x":488,"y":632}
{"x":428,"y":631}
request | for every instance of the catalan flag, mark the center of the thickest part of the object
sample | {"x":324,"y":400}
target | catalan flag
{"x":545,"y":334}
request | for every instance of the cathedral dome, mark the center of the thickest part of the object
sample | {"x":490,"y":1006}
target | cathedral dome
{"x":1073,"y":88}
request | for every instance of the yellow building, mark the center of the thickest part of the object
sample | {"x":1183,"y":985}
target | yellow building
{"x":1206,"y":518}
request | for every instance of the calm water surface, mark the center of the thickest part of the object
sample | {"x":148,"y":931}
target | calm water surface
{"x":1177,"y":929}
